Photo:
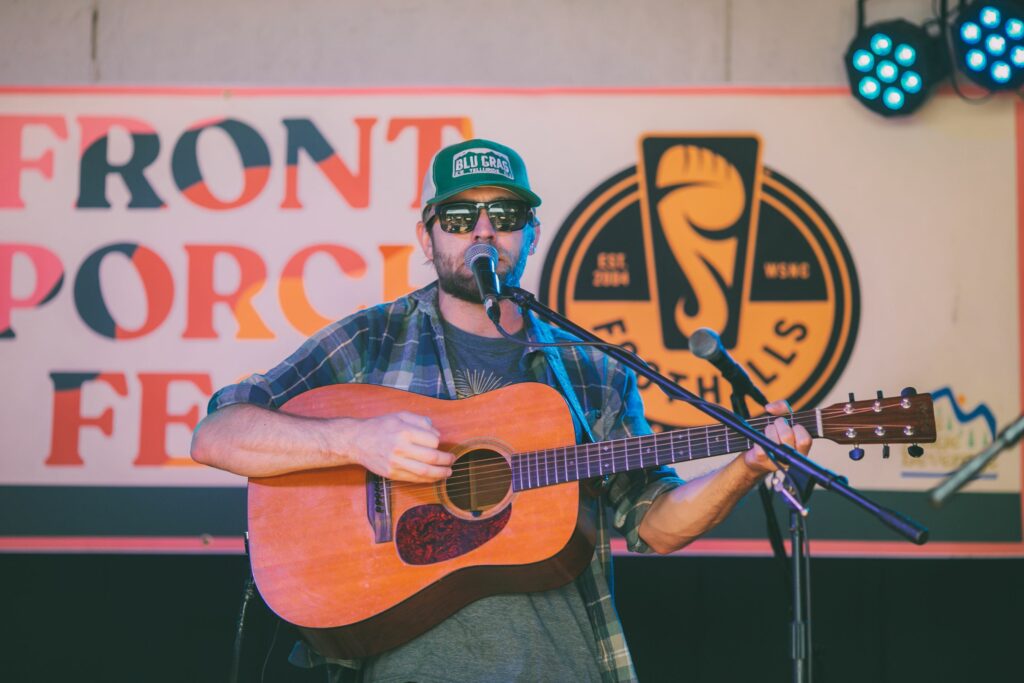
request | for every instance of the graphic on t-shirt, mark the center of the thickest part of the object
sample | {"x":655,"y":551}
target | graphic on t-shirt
{"x":472,"y":382}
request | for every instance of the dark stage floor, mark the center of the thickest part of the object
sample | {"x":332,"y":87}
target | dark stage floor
{"x":171,"y":618}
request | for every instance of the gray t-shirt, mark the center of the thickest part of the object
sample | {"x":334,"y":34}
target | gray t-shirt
{"x":544,"y":636}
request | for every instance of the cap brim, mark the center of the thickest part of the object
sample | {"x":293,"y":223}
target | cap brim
{"x":527,"y":196}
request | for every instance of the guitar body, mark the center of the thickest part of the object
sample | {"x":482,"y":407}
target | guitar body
{"x":362,"y":564}
{"x":361,"y":574}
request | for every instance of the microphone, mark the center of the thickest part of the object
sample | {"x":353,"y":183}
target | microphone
{"x":706,"y":344}
{"x":970,"y":469}
{"x":482,"y":259}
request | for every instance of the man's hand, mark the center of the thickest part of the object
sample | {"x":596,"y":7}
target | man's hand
{"x":679,"y":516}
{"x":778,"y":431}
{"x":400,"y":446}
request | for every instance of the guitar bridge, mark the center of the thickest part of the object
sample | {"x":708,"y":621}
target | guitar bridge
{"x":378,"y":506}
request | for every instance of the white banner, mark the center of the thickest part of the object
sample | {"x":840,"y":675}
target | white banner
{"x":158,"y":244}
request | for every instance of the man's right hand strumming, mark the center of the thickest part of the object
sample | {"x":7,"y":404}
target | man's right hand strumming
{"x":258,"y":442}
{"x":400,"y":446}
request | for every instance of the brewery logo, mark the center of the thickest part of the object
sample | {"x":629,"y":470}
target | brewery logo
{"x":700,"y":234}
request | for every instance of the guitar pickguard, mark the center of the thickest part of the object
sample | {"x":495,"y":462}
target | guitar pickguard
{"x":427,"y":534}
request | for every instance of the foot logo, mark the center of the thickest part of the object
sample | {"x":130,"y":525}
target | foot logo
{"x":700,"y":234}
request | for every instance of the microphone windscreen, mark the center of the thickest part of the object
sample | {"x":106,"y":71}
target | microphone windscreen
{"x":481,"y":250}
{"x":705,"y":343}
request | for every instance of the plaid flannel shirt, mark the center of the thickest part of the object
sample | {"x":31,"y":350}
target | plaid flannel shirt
{"x":401,"y":344}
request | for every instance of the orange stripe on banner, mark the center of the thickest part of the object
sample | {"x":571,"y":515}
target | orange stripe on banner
{"x":897,"y":549}
{"x":224,"y":545}
{"x":211,"y":91}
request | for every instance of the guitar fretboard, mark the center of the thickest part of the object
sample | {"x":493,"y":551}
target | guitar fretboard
{"x":533,"y":469}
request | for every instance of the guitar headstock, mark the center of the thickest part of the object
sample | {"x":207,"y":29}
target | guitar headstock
{"x":908,"y":418}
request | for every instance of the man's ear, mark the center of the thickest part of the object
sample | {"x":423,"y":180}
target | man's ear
{"x":536,"y":236}
{"x":425,"y":240}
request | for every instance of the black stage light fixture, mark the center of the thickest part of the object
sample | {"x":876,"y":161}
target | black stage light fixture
{"x":988,"y":43}
{"x":893,"y":65}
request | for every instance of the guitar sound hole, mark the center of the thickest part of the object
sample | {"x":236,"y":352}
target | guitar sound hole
{"x":480,"y":480}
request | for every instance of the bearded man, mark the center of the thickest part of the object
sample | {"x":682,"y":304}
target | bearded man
{"x":439,"y":342}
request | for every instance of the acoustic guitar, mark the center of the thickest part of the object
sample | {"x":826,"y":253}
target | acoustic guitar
{"x":362,"y":564}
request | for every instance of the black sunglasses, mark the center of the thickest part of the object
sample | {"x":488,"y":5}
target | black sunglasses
{"x":506,"y":215}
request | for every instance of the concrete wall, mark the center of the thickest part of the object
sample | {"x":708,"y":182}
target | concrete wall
{"x":432,"y":42}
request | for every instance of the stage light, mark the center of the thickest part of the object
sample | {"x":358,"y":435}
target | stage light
{"x":869,"y":88}
{"x":988,"y":43}
{"x":887,"y":71}
{"x":911,"y":82}
{"x":996,"y":45}
{"x":905,"y":55}
{"x":863,"y":61}
{"x":881,"y":44}
{"x":989,"y":17}
{"x":970,"y":33}
{"x":892,"y":66}
{"x":976,"y":60}
{"x":894,"y":98}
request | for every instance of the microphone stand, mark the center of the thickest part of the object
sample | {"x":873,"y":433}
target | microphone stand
{"x":795,"y":484}
{"x":794,"y":492}
{"x":966,"y":473}
{"x":781,"y":453}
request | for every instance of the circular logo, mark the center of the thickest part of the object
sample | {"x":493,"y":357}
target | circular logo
{"x":699,"y":234}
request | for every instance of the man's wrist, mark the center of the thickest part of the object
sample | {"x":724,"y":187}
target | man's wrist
{"x":330,"y":434}
{"x":751,"y":473}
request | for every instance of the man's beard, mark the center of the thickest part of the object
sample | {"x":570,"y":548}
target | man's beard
{"x":462,"y":285}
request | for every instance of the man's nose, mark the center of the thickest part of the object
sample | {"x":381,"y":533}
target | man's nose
{"x":483,"y":231}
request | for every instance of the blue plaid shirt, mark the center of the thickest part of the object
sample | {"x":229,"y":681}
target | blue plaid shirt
{"x":401,"y":345}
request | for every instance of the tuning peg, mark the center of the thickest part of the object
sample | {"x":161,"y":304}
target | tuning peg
{"x":885,"y":451}
{"x":908,"y":391}
{"x":915,"y":451}
{"x":856,"y":453}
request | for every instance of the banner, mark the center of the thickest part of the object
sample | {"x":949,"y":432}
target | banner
{"x":161,"y":243}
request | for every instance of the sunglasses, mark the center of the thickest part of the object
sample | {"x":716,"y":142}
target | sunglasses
{"x":506,"y":215}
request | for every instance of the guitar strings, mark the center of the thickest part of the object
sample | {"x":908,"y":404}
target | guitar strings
{"x":550,"y":457}
{"x":497,"y":472}
{"x":630,"y":447}
{"x":487,"y":486}
{"x":541,"y":477}
{"x":500,"y":475}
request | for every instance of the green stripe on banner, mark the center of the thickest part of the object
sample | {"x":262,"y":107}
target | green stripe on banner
{"x":966,"y":517}
{"x":121,"y":511}
{"x":220,"y":511}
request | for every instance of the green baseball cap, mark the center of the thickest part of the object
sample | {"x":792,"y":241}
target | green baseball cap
{"x":476,"y":163}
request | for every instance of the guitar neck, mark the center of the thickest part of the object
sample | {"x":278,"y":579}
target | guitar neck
{"x":534,"y":469}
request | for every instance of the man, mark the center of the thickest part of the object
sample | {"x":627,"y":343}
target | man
{"x":438,"y":341}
